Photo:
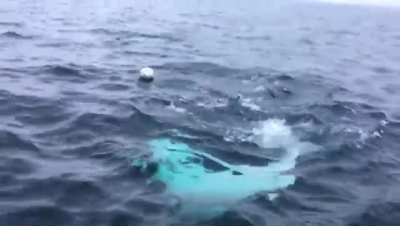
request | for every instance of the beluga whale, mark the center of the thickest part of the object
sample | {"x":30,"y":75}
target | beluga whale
{"x":206,"y":185}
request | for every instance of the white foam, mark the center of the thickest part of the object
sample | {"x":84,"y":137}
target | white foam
{"x":259,"y":88}
{"x":177,"y":109}
{"x":377,"y":134}
{"x":247,"y":102}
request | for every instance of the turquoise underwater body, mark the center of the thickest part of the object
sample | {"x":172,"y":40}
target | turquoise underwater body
{"x":208,"y":190}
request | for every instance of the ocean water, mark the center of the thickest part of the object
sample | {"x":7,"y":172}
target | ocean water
{"x":284,"y":112}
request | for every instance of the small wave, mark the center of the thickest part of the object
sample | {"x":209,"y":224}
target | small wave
{"x":326,"y":191}
{"x":71,"y":72}
{"x":53,"y":44}
{"x":114,"y":86}
{"x":144,"y":53}
{"x":167,"y":37}
{"x":14,"y":35}
{"x":84,"y":128}
{"x":11,"y":24}
{"x":9,"y":140}
{"x":88,"y":127}
{"x":382,"y":213}
{"x":80,"y":194}
{"x":15,"y":166}
{"x":62,"y":70}
{"x":230,"y":218}
{"x":31,"y":110}
{"x":126,"y":34}
{"x":205,"y":68}
{"x":181,"y":84}
{"x":49,"y":215}
{"x":254,"y":38}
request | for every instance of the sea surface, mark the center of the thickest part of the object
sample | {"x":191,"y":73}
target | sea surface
{"x":238,"y":80}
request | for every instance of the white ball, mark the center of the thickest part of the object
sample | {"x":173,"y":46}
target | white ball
{"x":147,"y":74}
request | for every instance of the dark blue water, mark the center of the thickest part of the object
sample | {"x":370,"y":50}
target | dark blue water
{"x":73,"y":115}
